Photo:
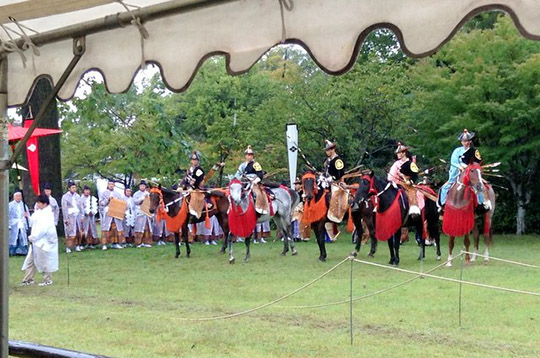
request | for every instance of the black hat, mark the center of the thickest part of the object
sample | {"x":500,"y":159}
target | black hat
{"x":194,"y":156}
{"x":471,"y":155}
{"x":297,"y":181}
{"x":70,"y":184}
{"x":401,"y":148}
{"x":249,"y":150}
{"x":17,"y":190}
{"x":143,"y":182}
{"x":47,"y":186}
{"x":329,"y":145}
{"x":409,"y":169}
{"x":86,"y":187}
{"x":43,"y":199}
{"x":466,"y":135}
{"x":111,"y":180}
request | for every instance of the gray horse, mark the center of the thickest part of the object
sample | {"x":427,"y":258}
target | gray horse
{"x":284,"y":202}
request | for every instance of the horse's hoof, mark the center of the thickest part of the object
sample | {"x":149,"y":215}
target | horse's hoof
{"x":294,"y":252}
{"x":473,"y":258}
{"x":246,"y":260}
{"x":354,"y":253}
{"x":231,"y":261}
{"x":449,"y":264}
{"x":284,"y":253}
{"x":391,"y":262}
{"x":371,"y":255}
{"x":322,"y":259}
{"x":176,"y":256}
{"x":222,"y":251}
{"x":438,"y":258}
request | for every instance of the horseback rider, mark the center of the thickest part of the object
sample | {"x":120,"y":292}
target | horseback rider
{"x":195,"y":173}
{"x":252,"y":171}
{"x":333,"y":167}
{"x":461,"y":158}
{"x":404,"y":172}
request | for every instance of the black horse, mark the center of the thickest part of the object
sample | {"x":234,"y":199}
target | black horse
{"x":174,"y":200}
{"x":388,"y":197}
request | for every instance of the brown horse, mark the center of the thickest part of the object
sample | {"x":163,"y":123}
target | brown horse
{"x":483,"y":219}
{"x":459,"y":212}
{"x":174,"y":209}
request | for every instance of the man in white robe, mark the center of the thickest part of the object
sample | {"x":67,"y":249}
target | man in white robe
{"x":143,"y":223}
{"x":71,"y":210}
{"x":43,"y":254}
{"x":89,"y":210}
{"x":111,"y":228}
{"x":129,"y":218}
{"x":52,"y":202}
{"x":18,"y":225}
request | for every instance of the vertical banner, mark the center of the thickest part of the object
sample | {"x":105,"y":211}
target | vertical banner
{"x":292,"y":150}
{"x":32,"y":153}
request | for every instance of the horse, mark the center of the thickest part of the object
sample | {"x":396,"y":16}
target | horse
{"x":363,"y":209}
{"x":392,"y":209}
{"x":241,"y":203}
{"x":459,"y":210}
{"x":316,"y":206}
{"x":174,"y":206}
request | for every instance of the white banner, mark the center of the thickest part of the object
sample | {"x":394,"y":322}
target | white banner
{"x":292,"y":150}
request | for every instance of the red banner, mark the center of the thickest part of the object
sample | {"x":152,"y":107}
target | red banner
{"x":32,"y":152}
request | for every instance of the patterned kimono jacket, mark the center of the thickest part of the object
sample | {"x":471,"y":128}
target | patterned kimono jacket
{"x":107,"y":220}
{"x":72,"y":211}
{"x":89,"y":206}
{"x":18,"y":225}
{"x":141,"y":220}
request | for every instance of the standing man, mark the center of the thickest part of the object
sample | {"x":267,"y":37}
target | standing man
{"x":89,"y":206}
{"x":129,"y":218}
{"x":71,"y":211}
{"x":43,"y":255}
{"x":18,"y":225}
{"x":53,"y":204}
{"x":111,"y":228}
{"x":253,"y":172}
{"x":143,"y":224}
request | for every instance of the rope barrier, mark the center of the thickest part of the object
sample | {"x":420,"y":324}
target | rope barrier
{"x":503,"y":260}
{"x":451,"y":279}
{"x":269,"y":303}
{"x":336,"y":303}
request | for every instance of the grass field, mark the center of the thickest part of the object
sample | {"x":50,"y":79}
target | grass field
{"x":134,"y":302}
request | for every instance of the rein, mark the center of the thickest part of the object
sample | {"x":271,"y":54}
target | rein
{"x":162,"y":209}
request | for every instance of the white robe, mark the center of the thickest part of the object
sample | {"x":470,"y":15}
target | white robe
{"x":44,"y":249}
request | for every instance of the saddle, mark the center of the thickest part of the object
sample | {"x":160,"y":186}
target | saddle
{"x":263,"y":199}
{"x":339,"y":203}
{"x":198,"y":202}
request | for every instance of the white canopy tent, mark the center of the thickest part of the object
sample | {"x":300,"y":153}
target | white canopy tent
{"x":62,"y":40}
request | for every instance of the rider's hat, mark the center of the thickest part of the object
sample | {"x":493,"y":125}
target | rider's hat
{"x":249,"y":150}
{"x":329,"y":145}
{"x":466,"y":135}
{"x":401,"y":148}
{"x":194,"y":156}
{"x":297,"y":181}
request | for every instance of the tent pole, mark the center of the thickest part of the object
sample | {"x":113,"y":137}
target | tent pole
{"x":79,"y":47}
{"x":4,"y":201}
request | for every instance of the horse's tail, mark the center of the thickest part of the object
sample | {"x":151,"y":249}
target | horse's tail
{"x":295,"y":199}
{"x":432,"y":218}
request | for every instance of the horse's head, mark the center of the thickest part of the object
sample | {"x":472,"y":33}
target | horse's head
{"x":156,"y":197}
{"x":366,"y":187}
{"x":236,"y":190}
{"x":309,"y":185}
{"x":473,"y":177}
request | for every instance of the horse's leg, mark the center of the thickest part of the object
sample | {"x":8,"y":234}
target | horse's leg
{"x":450,"y":249}
{"x":476,"y":236}
{"x":467,"y":243}
{"x":225,"y":233}
{"x":248,"y":242}
{"x":357,"y":220}
{"x":177,"y":244}
{"x":487,"y":242}
{"x":319,"y":232}
{"x":391,"y":248}
{"x":282,"y":226}
{"x":288,"y":228}
{"x":230,"y":242}
{"x":186,"y":240}
{"x":397,"y":244}
{"x":420,"y":238}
